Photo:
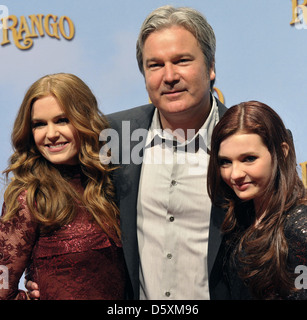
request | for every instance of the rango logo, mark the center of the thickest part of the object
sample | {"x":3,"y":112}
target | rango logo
{"x":23,"y":30}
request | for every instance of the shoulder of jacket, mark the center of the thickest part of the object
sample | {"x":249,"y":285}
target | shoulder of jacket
{"x":128,"y":113}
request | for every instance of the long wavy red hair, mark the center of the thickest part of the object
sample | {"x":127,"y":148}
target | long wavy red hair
{"x":49,"y":196}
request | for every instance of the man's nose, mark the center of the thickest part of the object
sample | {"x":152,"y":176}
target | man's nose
{"x":171,"y":74}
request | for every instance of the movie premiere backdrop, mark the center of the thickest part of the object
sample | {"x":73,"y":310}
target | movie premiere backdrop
{"x":261,"y":54}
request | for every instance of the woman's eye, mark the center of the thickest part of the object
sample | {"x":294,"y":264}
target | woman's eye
{"x":63,"y":120}
{"x":250,"y":159}
{"x":37,"y":124}
{"x":224,"y":162}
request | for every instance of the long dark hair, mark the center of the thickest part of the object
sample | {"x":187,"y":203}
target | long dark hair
{"x":261,"y":249}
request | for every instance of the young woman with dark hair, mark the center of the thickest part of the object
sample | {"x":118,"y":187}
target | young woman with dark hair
{"x":252,"y":173}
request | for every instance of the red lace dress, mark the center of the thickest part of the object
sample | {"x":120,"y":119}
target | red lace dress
{"x":78,"y":261}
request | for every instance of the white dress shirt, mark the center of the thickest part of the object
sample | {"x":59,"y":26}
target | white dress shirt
{"x":173,"y":214}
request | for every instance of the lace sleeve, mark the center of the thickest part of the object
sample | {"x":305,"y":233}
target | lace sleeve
{"x":17,"y":238}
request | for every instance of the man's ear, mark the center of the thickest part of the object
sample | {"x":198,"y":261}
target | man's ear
{"x":285,"y":148}
{"x":212,"y":74}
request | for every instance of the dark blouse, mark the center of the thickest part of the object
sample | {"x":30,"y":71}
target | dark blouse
{"x":77,"y":261}
{"x":296,"y":234}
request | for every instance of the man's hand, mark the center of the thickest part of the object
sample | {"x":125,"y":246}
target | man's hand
{"x":33,"y":289}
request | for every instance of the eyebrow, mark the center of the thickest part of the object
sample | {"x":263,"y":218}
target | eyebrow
{"x":251,"y":153}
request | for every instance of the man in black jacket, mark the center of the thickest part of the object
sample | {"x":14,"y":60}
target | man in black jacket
{"x":170,"y":231}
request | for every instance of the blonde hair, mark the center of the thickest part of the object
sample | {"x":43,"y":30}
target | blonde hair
{"x":49,"y":196}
